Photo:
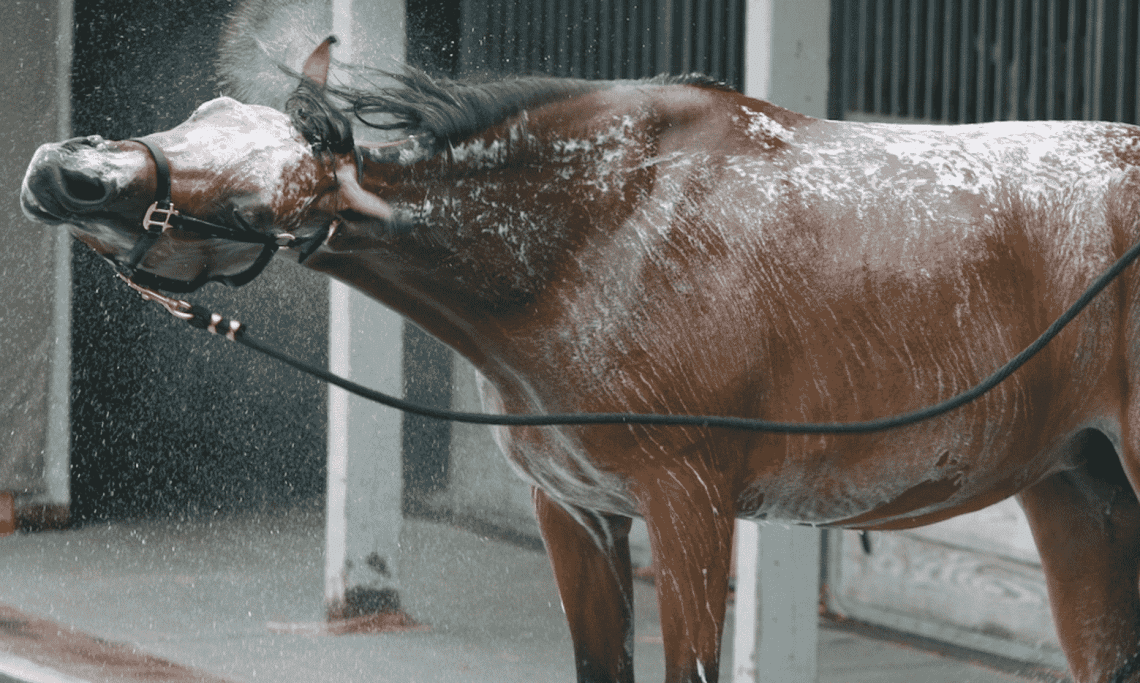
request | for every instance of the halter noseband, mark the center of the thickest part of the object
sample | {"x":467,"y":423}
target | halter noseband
{"x":162,"y":216}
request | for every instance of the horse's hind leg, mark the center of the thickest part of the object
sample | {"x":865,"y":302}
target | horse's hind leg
{"x":595,"y":580}
{"x":1086,"y":524}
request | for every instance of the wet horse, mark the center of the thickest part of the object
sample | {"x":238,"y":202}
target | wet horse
{"x":671,"y":246}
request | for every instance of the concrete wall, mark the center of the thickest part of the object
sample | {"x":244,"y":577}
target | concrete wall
{"x":34,"y":265}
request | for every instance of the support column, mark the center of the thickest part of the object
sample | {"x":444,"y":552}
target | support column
{"x":777,"y":567}
{"x":365,"y":344}
{"x":35,"y":301}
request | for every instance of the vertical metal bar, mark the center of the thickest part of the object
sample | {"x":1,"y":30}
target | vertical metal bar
{"x":716,"y":46}
{"x":861,"y":59}
{"x":549,"y":36}
{"x":912,"y":60}
{"x":564,"y":60}
{"x":879,"y":67}
{"x":1070,"y":63}
{"x":895,"y":66}
{"x":523,"y":24}
{"x":509,"y":35}
{"x":534,"y":27}
{"x":491,"y":37}
{"x":839,"y":100}
{"x":642,"y":65}
{"x":684,"y":29}
{"x":1083,"y":70}
{"x":523,"y":28}
{"x":698,"y":59}
{"x":468,"y":39}
{"x":734,"y":19}
{"x":1096,"y":98}
{"x":659,"y":25}
{"x":982,"y":62}
{"x":538,"y":47}
{"x":928,"y":88}
{"x":947,"y":59}
{"x":1034,"y":54}
{"x":587,"y":28}
{"x":653,"y":13}
{"x":1121,"y":23}
{"x":1082,"y":106}
{"x":1050,"y":50}
{"x":633,"y":37}
{"x":1019,"y":58}
{"x":1000,"y":48}
{"x":574,"y":29}
{"x":964,"y":50}
{"x":617,"y":19}
{"x":581,"y":23}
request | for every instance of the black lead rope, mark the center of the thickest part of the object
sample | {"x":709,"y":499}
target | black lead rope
{"x":231,"y":329}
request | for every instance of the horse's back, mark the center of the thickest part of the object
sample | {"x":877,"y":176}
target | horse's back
{"x":886,"y":267}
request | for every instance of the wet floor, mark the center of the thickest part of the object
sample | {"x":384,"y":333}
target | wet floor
{"x":239,"y":598}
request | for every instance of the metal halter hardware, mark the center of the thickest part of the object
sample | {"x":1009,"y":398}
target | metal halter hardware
{"x":164,"y":209}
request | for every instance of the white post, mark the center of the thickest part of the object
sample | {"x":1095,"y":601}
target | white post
{"x":365,"y":478}
{"x":57,"y":454}
{"x":777,"y":568}
{"x":777,"y":604}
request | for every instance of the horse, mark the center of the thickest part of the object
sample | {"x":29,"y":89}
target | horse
{"x":672,"y":246}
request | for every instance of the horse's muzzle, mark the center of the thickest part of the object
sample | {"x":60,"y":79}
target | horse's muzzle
{"x":57,"y":185}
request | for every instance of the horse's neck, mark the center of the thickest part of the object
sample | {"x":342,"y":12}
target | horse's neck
{"x":501,"y":215}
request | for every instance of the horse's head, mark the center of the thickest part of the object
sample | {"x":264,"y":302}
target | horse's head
{"x":245,"y":176}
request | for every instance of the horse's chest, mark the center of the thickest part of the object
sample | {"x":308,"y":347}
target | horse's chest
{"x":554,"y":460}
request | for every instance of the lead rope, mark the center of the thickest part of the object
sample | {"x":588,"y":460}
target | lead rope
{"x":199,"y":317}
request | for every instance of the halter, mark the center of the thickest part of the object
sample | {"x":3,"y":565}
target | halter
{"x":162,"y":216}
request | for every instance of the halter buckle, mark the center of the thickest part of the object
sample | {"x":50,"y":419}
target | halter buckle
{"x":158,"y":217}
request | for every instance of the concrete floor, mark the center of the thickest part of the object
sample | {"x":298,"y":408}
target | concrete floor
{"x":239,"y":598}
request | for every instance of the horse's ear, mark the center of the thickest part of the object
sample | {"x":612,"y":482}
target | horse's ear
{"x":317,"y":65}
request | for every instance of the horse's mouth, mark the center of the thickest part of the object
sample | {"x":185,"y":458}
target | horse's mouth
{"x":34,"y":208}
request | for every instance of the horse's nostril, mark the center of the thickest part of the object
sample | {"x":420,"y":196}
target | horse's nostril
{"x":83,"y":188}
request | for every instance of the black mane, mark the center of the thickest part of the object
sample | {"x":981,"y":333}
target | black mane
{"x":441,"y":110}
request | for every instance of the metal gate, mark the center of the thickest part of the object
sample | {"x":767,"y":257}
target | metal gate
{"x":604,"y":38}
{"x":966,"y":61}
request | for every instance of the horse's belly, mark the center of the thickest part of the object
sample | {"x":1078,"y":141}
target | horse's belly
{"x":905,"y":486}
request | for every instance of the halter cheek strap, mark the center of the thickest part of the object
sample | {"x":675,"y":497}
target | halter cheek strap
{"x":157,"y":218}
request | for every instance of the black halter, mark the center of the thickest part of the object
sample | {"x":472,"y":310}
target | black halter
{"x":162,"y":216}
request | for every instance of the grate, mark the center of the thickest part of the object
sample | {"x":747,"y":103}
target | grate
{"x":965,"y":61}
{"x":604,"y":38}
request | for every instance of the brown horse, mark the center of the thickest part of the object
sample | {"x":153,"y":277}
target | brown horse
{"x":670,"y":246}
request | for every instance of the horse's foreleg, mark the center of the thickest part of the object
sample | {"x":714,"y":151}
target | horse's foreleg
{"x":689,"y":513}
{"x":595,"y":581}
{"x":1086,"y":524}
